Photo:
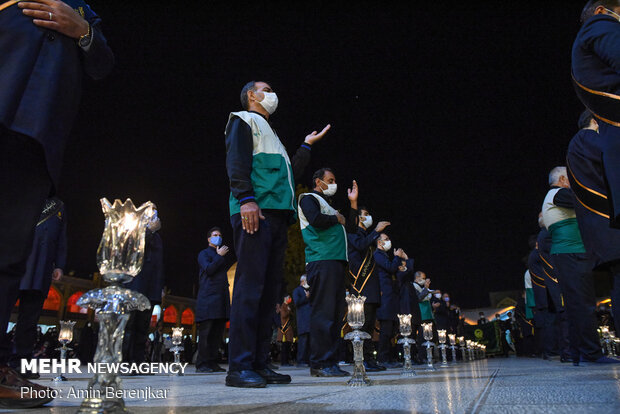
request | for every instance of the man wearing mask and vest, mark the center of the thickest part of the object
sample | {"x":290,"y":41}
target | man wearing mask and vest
{"x":574,"y":268}
{"x":323,"y":231}
{"x":262,"y":206}
{"x":363,"y":277}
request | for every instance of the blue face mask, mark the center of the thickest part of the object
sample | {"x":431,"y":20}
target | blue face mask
{"x":217,"y":240}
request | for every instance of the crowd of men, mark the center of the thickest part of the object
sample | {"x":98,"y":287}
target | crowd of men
{"x":580,"y":231}
{"x":48,"y":45}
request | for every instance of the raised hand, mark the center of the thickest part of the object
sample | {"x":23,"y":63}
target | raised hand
{"x":56,"y":15}
{"x":353,"y":192}
{"x":222,"y":250}
{"x":314,"y":137}
{"x":381,"y":226}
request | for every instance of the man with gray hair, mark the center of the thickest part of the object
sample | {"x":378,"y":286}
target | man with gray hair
{"x":574,"y":269}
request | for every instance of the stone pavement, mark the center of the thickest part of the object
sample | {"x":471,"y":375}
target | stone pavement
{"x":512,"y":385}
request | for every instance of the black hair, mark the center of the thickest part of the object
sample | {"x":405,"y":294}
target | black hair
{"x":363,"y":208}
{"x":212,"y":229}
{"x":584,"y":119}
{"x":320,"y":174}
{"x":590,"y":8}
{"x":250,"y":86}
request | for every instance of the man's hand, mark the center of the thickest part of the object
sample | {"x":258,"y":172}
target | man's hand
{"x":341,"y":219}
{"x":399,"y":253}
{"x":250,"y":217}
{"x":404,"y":255}
{"x":436,"y":305}
{"x":427,"y":283}
{"x":307,"y":293}
{"x":57,"y":275}
{"x":314,"y":137}
{"x":55,"y":15}
{"x":381,"y":226}
{"x":222,"y":250}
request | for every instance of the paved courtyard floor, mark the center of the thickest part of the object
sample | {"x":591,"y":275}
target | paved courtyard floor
{"x":498,"y":385}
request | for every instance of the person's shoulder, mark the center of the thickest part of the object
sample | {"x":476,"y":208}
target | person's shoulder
{"x":598,"y":25}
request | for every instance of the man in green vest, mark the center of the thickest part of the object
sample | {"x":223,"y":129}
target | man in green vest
{"x":323,"y":231}
{"x":262,"y":206}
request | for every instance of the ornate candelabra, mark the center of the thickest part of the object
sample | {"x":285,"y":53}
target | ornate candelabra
{"x":405,"y":331}
{"x":615,"y":342}
{"x":428,"y":336}
{"x":64,"y":337}
{"x":441,"y":335}
{"x":119,"y":257}
{"x":452,"y":339}
{"x":177,"y":338}
{"x":606,"y":341}
{"x":462,"y":347}
{"x":468,"y":345}
{"x":355,"y":318}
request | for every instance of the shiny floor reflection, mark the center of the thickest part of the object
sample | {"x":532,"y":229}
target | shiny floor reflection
{"x":493,"y":386}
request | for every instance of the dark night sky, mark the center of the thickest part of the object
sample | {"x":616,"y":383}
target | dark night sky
{"x":449,"y":117}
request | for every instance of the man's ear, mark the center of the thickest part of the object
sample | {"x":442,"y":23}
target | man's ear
{"x":599,"y":10}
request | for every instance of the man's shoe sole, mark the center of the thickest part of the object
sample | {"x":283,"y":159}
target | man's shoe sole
{"x":276,"y":381}
{"x":247,"y":384}
{"x":24,"y":403}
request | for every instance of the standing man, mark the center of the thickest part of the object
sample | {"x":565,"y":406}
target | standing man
{"x":262,"y":206}
{"x":586,"y":175}
{"x":574,"y":268}
{"x":213,"y":301}
{"x":364,"y":278}
{"x":323,"y":231}
{"x":150,"y":282}
{"x":390,"y":300}
{"x":301,"y":298}
{"x":46,"y":262}
{"x":46,"y":47}
{"x":596,"y":75}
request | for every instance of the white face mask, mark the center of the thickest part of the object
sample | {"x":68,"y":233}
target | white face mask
{"x":269,"y":102}
{"x":366,"y":221}
{"x":331,"y":189}
{"x":438,"y":295}
{"x":387,"y":245}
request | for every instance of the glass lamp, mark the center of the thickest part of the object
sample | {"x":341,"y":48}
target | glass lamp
{"x":404,"y":323}
{"x":65,"y":336}
{"x":177,"y":339}
{"x":355,"y":319}
{"x":462,"y":347}
{"x":441,"y":336}
{"x":452,"y":339}
{"x":428,"y":336}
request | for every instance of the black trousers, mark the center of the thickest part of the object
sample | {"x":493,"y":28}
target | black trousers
{"x":614,"y":274}
{"x":575,"y":275}
{"x":370,"y":318}
{"x":136,"y":332}
{"x":258,"y":280}
{"x":25,"y":184}
{"x":386,"y":333}
{"x":30,"y":307}
{"x":210,"y":334}
{"x":326,"y":279}
{"x":303,"y":348}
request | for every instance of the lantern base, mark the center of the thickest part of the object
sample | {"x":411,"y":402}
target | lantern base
{"x":444,"y":357}
{"x":359,"y":377}
{"x":429,"y":356}
{"x":407,"y":365}
{"x":112,"y":305}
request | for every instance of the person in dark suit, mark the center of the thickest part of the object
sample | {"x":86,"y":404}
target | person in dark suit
{"x":408,"y":295}
{"x":595,"y":64}
{"x":213,"y":302}
{"x":149,"y":282}
{"x":46,"y":47}
{"x":586,"y":175}
{"x":46,"y":262}
{"x":301,"y":299}
{"x":364,"y":278}
{"x":387,"y":269}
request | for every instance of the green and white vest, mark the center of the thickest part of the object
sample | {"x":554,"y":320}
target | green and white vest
{"x":323,"y":244}
{"x":272,"y":175}
{"x":562,"y":225}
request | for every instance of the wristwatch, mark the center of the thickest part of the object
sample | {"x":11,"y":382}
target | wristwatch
{"x":84,"y":40}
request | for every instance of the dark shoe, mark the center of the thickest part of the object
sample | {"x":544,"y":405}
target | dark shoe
{"x":273,"y":366}
{"x":216,"y":368}
{"x":245,"y":379}
{"x":11,"y":383}
{"x":392,"y":365}
{"x":372,"y":366}
{"x":328,"y":372}
{"x":204,"y":369}
{"x":565,"y":359}
{"x":342,"y":371}
{"x":29,"y":375}
{"x":273,"y":377}
{"x":606,"y":360}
